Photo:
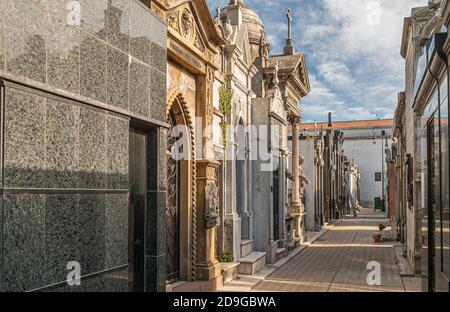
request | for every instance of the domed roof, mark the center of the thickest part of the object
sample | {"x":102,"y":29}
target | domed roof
{"x":250,"y":18}
{"x":254,"y":24}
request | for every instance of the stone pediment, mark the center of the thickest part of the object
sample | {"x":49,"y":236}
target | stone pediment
{"x":302,"y":73}
{"x":293,"y":67}
{"x":276,"y":106}
{"x":242,"y":41}
{"x":190,"y":22}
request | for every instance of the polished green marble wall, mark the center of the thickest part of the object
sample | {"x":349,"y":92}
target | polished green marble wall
{"x":116,"y":56}
{"x":71,"y":92}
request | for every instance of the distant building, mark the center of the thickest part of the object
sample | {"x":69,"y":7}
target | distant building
{"x":365,"y":143}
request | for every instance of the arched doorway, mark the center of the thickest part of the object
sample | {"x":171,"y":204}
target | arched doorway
{"x":173,"y":201}
{"x":180,"y":208}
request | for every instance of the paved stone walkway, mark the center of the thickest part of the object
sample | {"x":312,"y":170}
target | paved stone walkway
{"x":337,"y":262}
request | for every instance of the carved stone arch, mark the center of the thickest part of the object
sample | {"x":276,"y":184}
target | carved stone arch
{"x":176,"y":104}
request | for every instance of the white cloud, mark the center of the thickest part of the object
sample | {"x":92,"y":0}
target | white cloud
{"x":358,"y":60}
{"x":335,"y":72}
{"x":355,"y":66}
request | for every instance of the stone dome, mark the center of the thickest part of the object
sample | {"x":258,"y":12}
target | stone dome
{"x":254,"y":24}
{"x":250,"y":18}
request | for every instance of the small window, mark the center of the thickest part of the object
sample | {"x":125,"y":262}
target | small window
{"x":377,"y":176}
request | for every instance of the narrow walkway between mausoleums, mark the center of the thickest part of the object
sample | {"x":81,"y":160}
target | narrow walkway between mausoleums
{"x":337,"y":262}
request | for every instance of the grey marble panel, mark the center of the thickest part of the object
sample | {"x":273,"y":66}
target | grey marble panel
{"x":24,"y":151}
{"x":158,"y":95}
{"x":63,"y":55}
{"x":25,"y":33}
{"x":93,"y":67}
{"x":1,"y":245}
{"x":93,"y":17}
{"x":155,"y":223}
{"x":62,"y":145}
{"x":117,"y":152}
{"x":117,"y":84}
{"x":23,"y":242}
{"x":162,"y":160}
{"x":58,"y":7}
{"x":159,"y":57}
{"x":157,"y":160}
{"x":118,"y":24}
{"x":91,"y":233}
{"x":140,"y":32}
{"x":139,"y":88}
{"x":116,"y":281}
{"x":155,"y":273}
{"x":152,"y":159}
{"x":61,"y":236}
{"x":116,"y":230}
{"x":3,"y":8}
{"x":92,"y":149}
{"x":159,"y":31}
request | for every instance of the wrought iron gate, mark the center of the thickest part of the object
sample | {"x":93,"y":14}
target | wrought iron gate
{"x":173,"y":208}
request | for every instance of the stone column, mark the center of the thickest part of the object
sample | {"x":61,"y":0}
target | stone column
{"x":301,"y":226}
{"x":296,"y":207}
{"x":295,"y":166}
{"x":232,"y":220}
{"x":207,"y":267}
{"x":243,"y":201}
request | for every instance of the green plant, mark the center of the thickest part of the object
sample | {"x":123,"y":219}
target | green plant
{"x":226,"y":257}
{"x":225,"y":106}
{"x":224,"y":125}
{"x":225,"y":97}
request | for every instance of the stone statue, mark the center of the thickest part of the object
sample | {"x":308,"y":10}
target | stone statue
{"x":218,"y":16}
{"x":264,"y":46}
{"x":289,"y":17}
{"x":276,"y":81}
{"x":228,"y":29}
{"x":434,"y":3}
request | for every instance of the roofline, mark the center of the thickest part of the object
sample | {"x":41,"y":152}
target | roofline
{"x":388,"y":123}
{"x":348,"y":121}
{"x":406,"y":27}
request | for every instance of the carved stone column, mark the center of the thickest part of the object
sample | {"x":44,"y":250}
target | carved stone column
{"x":296,"y":206}
{"x":301,"y":227}
{"x":207,"y":267}
{"x":295,"y":167}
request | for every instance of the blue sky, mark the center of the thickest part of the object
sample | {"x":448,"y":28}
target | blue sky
{"x":352,"y":53}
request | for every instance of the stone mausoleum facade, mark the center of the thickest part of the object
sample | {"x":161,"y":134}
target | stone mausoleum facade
{"x":83,"y":145}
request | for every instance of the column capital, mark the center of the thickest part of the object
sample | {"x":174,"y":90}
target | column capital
{"x":293,"y":119}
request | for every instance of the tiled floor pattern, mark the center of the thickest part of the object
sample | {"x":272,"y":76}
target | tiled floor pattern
{"x":337,"y":262}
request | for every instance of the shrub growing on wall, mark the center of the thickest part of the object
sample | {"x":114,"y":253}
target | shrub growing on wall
{"x":225,"y":106}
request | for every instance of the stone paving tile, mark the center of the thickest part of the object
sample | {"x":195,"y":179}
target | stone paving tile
{"x":337,"y":262}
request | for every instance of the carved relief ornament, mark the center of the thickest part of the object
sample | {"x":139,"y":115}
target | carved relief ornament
{"x":198,"y":43}
{"x":172,"y":21}
{"x":187,"y":23}
{"x":211,"y":205}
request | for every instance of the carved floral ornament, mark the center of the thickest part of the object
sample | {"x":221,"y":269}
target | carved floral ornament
{"x":187,"y":23}
{"x":212,"y":205}
{"x":183,"y":23}
{"x":172,"y":21}
{"x":198,"y":43}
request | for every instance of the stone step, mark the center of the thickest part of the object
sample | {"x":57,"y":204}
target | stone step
{"x":252,"y":263}
{"x":282,"y":252}
{"x":246,"y":248}
{"x":229,"y":271}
